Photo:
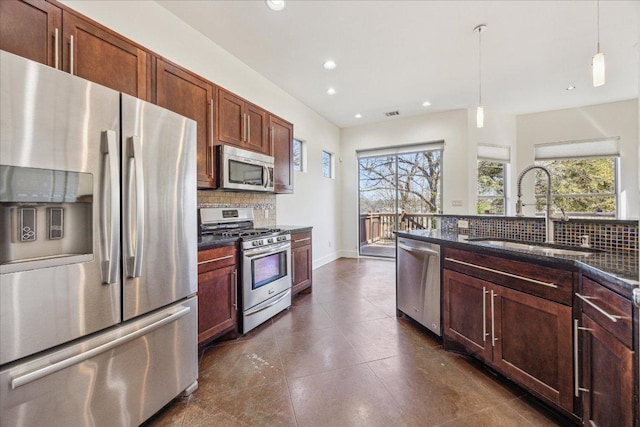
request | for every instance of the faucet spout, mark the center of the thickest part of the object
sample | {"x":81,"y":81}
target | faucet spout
{"x":547,"y":218}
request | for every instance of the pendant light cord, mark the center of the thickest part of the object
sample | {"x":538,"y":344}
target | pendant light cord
{"x":598,"y":22}
{"x":480,"y":66}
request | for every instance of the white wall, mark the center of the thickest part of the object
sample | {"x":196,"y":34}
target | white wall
{"x":316,"y":200}
{"x":590,"y":122}
{"x":448,"y":126}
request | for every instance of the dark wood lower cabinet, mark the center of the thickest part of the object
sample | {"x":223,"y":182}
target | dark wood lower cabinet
{"x":607,"y":378}
{"x":301,"y":262}
{"x":217,"y":292}
{"x":527,"y":338}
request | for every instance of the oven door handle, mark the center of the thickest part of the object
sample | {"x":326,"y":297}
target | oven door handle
{"x":271,"y":249}
{"x":271,"y":304}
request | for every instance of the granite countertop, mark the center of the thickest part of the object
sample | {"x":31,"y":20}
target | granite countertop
{"x":618,"y":267}
{"x":295,"y":228}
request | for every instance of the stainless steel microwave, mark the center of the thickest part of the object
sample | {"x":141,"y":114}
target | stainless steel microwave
{"x":244,"y":170}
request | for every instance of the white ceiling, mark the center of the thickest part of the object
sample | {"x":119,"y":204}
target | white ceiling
{"x":394,"y":55}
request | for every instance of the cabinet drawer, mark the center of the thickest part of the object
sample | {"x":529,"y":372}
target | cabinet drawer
{"x":612,"y":311}
{"x":211,"y":259}
{"x":300,"y":239}
{"x":545,"y":282}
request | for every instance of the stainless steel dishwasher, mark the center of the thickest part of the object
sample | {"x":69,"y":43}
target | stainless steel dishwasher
{"x":418,"y":282}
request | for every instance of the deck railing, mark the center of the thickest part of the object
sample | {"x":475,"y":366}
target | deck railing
{"x":379,"y":227}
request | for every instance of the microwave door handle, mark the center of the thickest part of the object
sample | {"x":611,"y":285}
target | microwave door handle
{"x":110,"y":245}
{"x":265,"y":176}
{"x":134,"y":261}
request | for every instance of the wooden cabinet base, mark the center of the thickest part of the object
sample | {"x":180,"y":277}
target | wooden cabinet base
{"x":301,"y":262}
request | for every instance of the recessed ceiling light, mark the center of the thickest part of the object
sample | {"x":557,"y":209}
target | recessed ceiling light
{"x":276,"y":5}
{"x":570,"y":87}
{"x":329,"y":64}
{"x":331,"y":91}
{"x":358,"y":116}
{"x":426,"y":104}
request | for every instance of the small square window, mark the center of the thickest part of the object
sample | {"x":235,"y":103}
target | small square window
{"x":327,"y":164}
{"x":299,"y":155}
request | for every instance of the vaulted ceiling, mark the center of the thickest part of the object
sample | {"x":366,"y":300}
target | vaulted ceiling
{"x":395,"y":55}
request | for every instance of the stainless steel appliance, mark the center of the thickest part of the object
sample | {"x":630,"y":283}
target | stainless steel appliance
{"x":244,"y":170}
{"x":265,"y":278}
{"x":97,"y":254}
{"x":418,"y":282}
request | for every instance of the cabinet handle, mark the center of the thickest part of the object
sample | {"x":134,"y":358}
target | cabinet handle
{"x":249,"y":129}
{"x":244,"y":127}
{"x":56,"y":49}
{"x":215,"y":259}
{"x":515,"y":276}
{"x":302,"y":240}
{"x":235,"y":289}
{"x":272,"y":134}
{"x":71,"y":57}
{"x":211,"y":143}
{"x":484,"y":314}
{"x":604,"y":313}
{"x":493,"y":322}
{"x":576,"y":373}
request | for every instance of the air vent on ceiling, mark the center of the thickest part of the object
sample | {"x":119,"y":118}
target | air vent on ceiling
{"x":392,"y":113}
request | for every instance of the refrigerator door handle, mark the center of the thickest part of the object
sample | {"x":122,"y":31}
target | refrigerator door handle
{"x":79,"y":358}
{"x":110,"y":209}
{"x":134,"y":261}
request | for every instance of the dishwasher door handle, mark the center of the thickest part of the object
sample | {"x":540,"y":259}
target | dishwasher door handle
{"x":418,"y":250}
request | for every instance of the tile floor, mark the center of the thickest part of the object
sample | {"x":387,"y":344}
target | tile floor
{"x":340,"y":357}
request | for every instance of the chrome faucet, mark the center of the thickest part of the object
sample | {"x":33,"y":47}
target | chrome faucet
{"x":547,"y":218}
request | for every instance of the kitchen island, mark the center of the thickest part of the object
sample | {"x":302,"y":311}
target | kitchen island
{"x":562,"y":325}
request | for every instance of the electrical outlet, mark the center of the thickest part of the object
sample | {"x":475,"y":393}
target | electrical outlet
{"x":463,"y":223}
{"x":456,"y":203}
{"x":266,"y":213}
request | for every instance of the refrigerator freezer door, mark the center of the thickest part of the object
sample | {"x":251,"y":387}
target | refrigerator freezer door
{"x":117,"y":378}
{"x":159,"y":212}
{"x":53,"y":124}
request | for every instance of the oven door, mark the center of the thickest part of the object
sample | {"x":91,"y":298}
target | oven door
{"x":266,"y":272}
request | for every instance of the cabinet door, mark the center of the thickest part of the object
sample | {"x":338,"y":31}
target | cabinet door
{"x":533,"y":344}
{"x":103,"y":57}
{"x":281,"y":134}
{"x":230,"y":119}
{"x":257,"y":138}
{"x":216,"y":302}
{"x":186,"y":94}
{"x":301,"y":267}
{"x":465,"y":315}
{"x":607,"y":377}
{"x":28,"y":28}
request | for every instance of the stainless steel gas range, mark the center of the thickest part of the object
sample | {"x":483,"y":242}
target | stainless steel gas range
{"x":265,"y":263}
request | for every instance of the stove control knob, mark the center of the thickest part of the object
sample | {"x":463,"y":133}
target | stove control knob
{"x":254,"y":243}
{"x":270,"y":241}
{"x":261,"y":242}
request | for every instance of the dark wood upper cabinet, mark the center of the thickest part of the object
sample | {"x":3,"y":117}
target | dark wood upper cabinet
{"x":185,"y":93}
{"x":241,"y":123}
{"x":32,"y":29}
{"x":281,"y":133}
{"x":230,"y":120}
{"x":103,"y":57}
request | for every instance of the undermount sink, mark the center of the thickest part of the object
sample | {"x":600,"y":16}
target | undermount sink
{"x":540,"y":248}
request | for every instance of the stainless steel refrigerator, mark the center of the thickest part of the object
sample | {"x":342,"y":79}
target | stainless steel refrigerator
{"x":98,"y":309}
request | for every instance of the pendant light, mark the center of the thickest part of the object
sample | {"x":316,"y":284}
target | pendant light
{"x":480,"y":110}
{"x":597,"y":62}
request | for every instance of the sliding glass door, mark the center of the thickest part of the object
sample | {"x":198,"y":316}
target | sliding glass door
{"x":397,"y":191}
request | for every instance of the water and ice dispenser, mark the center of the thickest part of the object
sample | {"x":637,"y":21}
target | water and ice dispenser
{"x":45,"y":217}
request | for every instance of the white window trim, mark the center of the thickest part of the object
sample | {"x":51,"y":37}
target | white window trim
{"x":303,"y":155}
{"x":505,"y":196}
{"x":332,"y":164}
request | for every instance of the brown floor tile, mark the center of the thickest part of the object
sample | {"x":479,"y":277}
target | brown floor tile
{"x":267,"y":405}
{"x":315,"y":351}
{"x":172,"y":415}
{"x":356,"y":310}
{"x":302,"y":318}
{"x":536,"y":413}
{"x":347,"y":397}
{"x":496,"y":416}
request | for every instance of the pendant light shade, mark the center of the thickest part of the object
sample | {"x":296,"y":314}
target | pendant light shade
{"x":480,"y":111}
{"x":480,"y":116}
{"x":597,"y":61}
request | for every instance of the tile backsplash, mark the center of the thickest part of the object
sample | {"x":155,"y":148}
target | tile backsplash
{"x":263,"y":204}
{"x":609,"y":235}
